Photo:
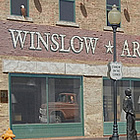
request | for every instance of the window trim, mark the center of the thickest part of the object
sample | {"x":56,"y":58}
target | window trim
{"x":69,"y":129}
{"x":19,"y":18}
{"x":66,"y":23}
{"x":109,"y":28}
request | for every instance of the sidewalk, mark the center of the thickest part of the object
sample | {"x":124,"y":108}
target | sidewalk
{"x":78,"y":138}
{"x":86,"y":138}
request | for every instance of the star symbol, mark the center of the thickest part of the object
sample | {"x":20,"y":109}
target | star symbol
{"x":109,"y":47}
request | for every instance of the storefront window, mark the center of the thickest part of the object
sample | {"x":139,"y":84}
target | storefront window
{"x":45,"y":100}
{"x":27,"y":95}
{"x":122,"y":85}
{"x":136,"y":98}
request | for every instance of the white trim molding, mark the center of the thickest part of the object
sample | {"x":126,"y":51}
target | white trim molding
{"x":66,"y":23}
{"x":19,"y":18}
{"x":63,"y":68}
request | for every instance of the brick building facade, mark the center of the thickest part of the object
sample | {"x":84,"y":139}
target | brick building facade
{"x":52,"y":52}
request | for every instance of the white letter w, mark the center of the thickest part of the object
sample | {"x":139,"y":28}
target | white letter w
{"x":18,"y":37}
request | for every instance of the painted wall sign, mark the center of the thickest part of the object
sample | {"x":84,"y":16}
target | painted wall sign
{"x":58,"y":43}
{"x":51,"y":42}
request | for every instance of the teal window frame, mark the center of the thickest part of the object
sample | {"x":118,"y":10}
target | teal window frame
{"x":108,"y":8}
{"x":27,"y":9}
{"x":40,"y":130}
{"x":108,"y":126}
{"x":66,"y":11}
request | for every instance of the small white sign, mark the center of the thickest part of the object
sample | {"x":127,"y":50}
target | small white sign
{"x":115,"y":70}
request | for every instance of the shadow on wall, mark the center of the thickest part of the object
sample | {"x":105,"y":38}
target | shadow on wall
{"x":83,"y":9}
{"x":38,"y":5}
{"x":126,"y":14}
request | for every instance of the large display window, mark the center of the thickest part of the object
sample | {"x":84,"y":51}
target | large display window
{"x":63,"y":101}
{"x":46,"y":100}
{"x":122,"y":85}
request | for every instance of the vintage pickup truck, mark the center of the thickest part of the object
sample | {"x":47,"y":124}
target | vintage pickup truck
{"x":65,"y":109}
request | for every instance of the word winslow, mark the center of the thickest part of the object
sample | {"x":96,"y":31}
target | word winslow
{"x":55,"y":42}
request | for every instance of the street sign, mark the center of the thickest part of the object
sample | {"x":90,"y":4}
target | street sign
{"x":115,"y":70}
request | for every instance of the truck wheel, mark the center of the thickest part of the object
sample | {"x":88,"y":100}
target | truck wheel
{"x":58,"y":119}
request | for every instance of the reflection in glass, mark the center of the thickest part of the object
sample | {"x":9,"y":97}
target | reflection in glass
{"x":27,"y":95}
{"x":121,"y":87}
{"x":64,"y":100}
{"x":36,"y":101}
{"x":135,"y":97}
{"x":108,"y":99}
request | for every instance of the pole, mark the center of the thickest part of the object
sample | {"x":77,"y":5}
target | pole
{"x":114,"y":42}
{"x":115,"y":135}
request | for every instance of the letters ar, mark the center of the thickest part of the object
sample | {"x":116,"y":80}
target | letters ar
{"x":134,"y":52}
